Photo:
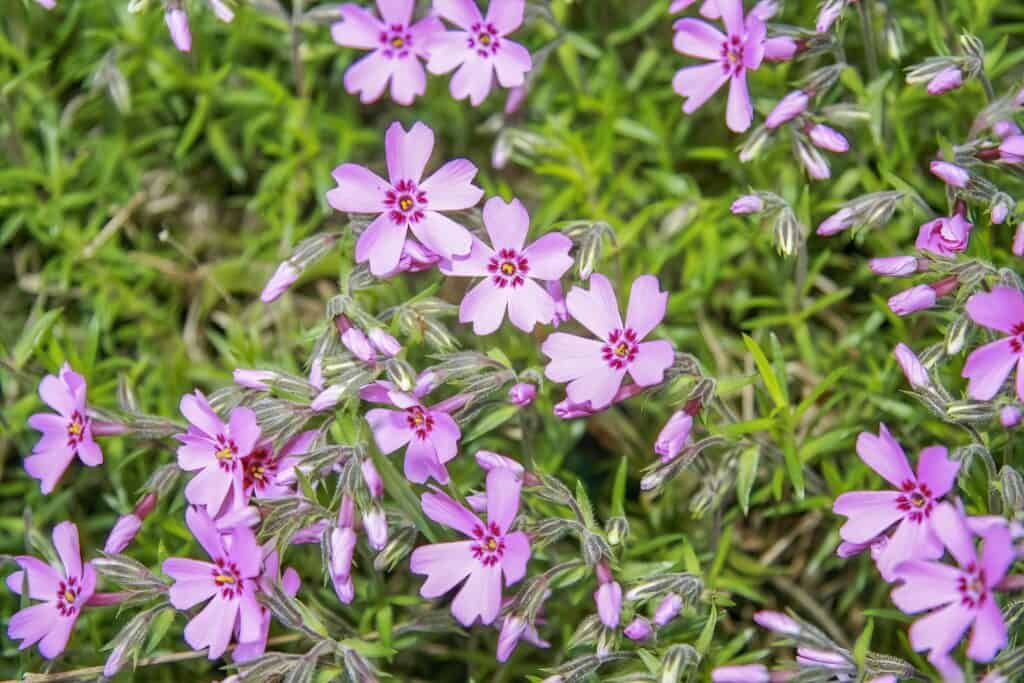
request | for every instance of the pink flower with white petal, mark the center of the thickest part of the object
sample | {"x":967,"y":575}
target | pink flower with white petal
{"x":65,"y":435}
{"x":493,"y":550}
{"x":481,"y":49}
{"x":63,"y":593}
{"x":230,"y":582}
{"x":406,"y":201}
{"x":910,"y":507}
{"x":958,"y":596}
{"x":595,"y":368}
{"x":397,"y":44}
{"x":429,"y":433}
{"x":218,"y":451}
{"x":729,"y":58}
{"x":987,"y":367}
{"x":510,"y":271}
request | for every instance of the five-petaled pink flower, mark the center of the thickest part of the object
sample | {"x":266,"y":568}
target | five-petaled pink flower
{"x":397,"y":46}
{"x":230,"y":582}
{"x":63,"y":594}
{"x":430,"y":432}
{"x":481,"y":49}
{"x":269,"y":474}
{"x":911,"y":506}
{"x":988,"y":367}
{"x":492,"y":551}
{"x":510,"y":270}
{"x":960,"y":595}
{"x":407,"y":202}
{"x":595,"y":368}
{"x":217,"y":449}
{"x":65,"y":435}
{"x":729,"y":58}
{"x":246,"y":651}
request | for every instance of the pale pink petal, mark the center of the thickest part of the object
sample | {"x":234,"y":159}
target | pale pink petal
{"x":732,"y":16}
{"x":443,"y":509}
{"x":381,"y":244}
{"x":941,"y":630}
{"x":250,"y":619}
{"x":444,"y":564}
{"x":246,"y":552}
{"x":43,"y":579}
{"x":396,"y":11}
{"x":368,"y":77}
{"x":480,"y":596}
{"x":596,"y":309}
{"x":451,"y":188}
{"x":424,"y":32}
{"x":359,"y":190}
{"x":989,"y":634}
{"x":506,"y":223}
{"x":870,"y":513}
{"x":571,"y":356}
{"x":698,"y":83}
{"x":652,"y":360}
{"x":511,"y":63}
{"x":754,"y":44}
{"x":988,"y":367}
{"x":442,"y":235}
{"x":205,"y":531}
{"x":189,"y":593}
{"x":445,"y":436}
{"x":462,"y":13}
{"x":646,"y":305}
{"x":936,"y":470}
{"x":926,"y":585}
{"x":472,"y":265}
{"x":244,"y":430}
{"x":195,"y":453}
{"x":57,"y":395}
{"x":408,"y":81}
{"x":698,"y":39}
{"x":29,"y":625}
{"x":997,"y":554}
{"x":530,"y":304}
{"x":472,"y":80}
{"x":506,"y":15}
{"x":447,"y":51}
{"x":65,"y":540}
{"x":49,"y":423}
{"x":212,"y":627}
{"x":89,"y":453}
{"x":739,"y":112}
{"x":484,"y":305}
{"x":911,"y":541}
{"x":948,"y":524}
{"x":548,"y":256}
{"x":407,"y":153}
{"x":1001,"y":309}
{"x":49,"y":466}
{"x":209,"y":488}
{"x":358,"y":28}
{"x":517,"y":555}
{"x":884,"y":455}
{"x":503,"y":487}
{"x":390,"y":429}
{"x":56,"y":639}
{"x":199,"y":413}
{"x":421,"y":463}
{"x":598,"y":387}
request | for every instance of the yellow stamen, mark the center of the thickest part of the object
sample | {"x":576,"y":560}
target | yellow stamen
{"x":75,"y":428}
{"x":485,"y":38}
{"x":405,"y":203}
{"x":492,"y":544}
{"x":225,"y":453}
{"x":69,"y":596}
{"x":224,"y":578}
{"x":508,"y":268}
{"x":257,"y":472}
{"x":397,"y":42}
{"x":621,"y":350}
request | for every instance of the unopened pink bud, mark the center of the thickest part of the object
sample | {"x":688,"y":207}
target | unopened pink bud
{"x":668,"y":609}
{"x":522,"y":394}
{"x":145,"y":506}
{"x":639,"y":629}
{"x":260,"y":380}
{"x":283,"y":278}
{"x":894,"y":266}
{"x":787,"y":109}
{"x":836,"y":223}
{"x":489,"y":460}
{"x":327,"y":399}
{"x":1010,"y":416}
{"x":124,"y":531}
{"x":747,"y":204}
{"x":223,"y":12}
{"x":742,"y":673}
{"x":912,"y":368}
{"x":609,"y":603}
{"x":946,"y":80}
{"x":912,"y":300}
{"x":450,"y":405}
{"x":828,"y":138}
{"x":374,"y":484}
{"x":780,"y":49}
{"x":384,"y":342}
{"x":376,"y":524}
{"x":951,"y":174}
{"x":177,"y":24}
{"x":358,"y":344}
{"x":777,"y":622}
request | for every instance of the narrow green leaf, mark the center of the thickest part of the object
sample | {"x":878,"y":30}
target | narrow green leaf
{"x":771,"y":382}
{"x":746,"y":474}
{"x":34,"y":336}
{"x":619,"y":489}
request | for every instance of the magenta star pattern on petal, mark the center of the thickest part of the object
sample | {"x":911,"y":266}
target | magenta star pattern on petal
{"x":397,"y":45}
{"x":66,"y":435}
{"x":405,"y":201}
{"x":492,"y":552}
{"x":480,"y":49}
{"x":595,"y":368}
{"x":510,"y":271}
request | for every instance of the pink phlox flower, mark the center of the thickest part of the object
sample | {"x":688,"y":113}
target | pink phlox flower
{"x":270,"y":474}
{"x":397,"y":45}
{"x":481,"y":49}
{"x":406,"y":201}
{"x":910,"y":507}
{"x":945,"y":236}
{"x":230,"y":581}
{"x":510,"y":271}
{"x":988,"y":366}
{"x":177,"y":25}
{"x":218,"y":451}
{"x":492,"y":551}
{"x":729,"y":58}
{"x":429,"y":432}
{"x":62,"y":593}
{"x":248,"y":650}
{"x":65,"y":435}
{"x":567,"y":410}
{"x":763,"y":10}
{"x":595,"y":368}
{"x":676,"y":432}
{"x":957,"y":596}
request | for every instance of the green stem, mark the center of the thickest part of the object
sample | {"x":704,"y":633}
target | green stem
{"x":867,"y":29}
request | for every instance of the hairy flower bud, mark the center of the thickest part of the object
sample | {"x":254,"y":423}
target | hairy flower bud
{"x":787,"y":109}
{"x":375,"y":523}
{"x":912,"y":300}
{"x":951,"y":174}
{"x":522,"y":394}
{"x":384,"y":342}
{"x":828,"y":138}
{"x":677,"y":660}
{"x":1009,"y":416}
{"x":668,"y":609}
{"x":639,"y":629}
{"x":747,"y":204}
{"x":946,"y":80}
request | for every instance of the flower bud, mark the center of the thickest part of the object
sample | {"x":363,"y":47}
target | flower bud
{"x":812,"y":160}
{"x":121,"y":535}
{"x":522,"y":394}
{"x":787,"y":109}
{"x":1010,"y":416}
{"x":609,"y":603}
{"x":914,"y":371}
{"x":1018,"y":240}
{"x":912,"y":300}
{"x":1000,"y":209}
{"x":223,"y":12}
{"x":827,"y":15}
{"x":384,"y":342}
{"x":777,"y":622}
{"x":747,"y":204}
{"x":946,"y":80}
{"x":376,"y":524}
{"x":951,"y":174}
{"x":743,"y":673}
{"x":674,"y":435}
{"x":328,"y":398}
{"x":358,"y":344}
{"x":374,"y":484}
{"x":617,"y":529}
{"x":639,"y":629}
{"x":259,"y":380}
{"x":283,"y":278}
{"x":837,"y":222}
{"x":894,"y":266}
{"x":956,"y":335}
{"x":780,"y":48}
{"x":678,"y":659}
{"x":668,"y":609}
{"x":177,"y":24}
{"x":828,"y":138}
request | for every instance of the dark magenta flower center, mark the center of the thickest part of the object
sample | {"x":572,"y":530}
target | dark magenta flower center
{"x":227,"y":453}
{"x":259,"y":469}
{"x":395,"y":42}
{"x":76,"y":428}
{"x":732,"y":56}
{"x":67,"y":595}
{"x":484,"y":39}
{"x":621,"y":348}
{"x":973,"y":586}
{"x":489,"y":546}
{"x":916,"y":501}
{"x":228,"y":578}
{"x":420,"y":421}
{"x":508,"y":268}
{"x":1017,"y":338}
{"x":405,"y":202}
